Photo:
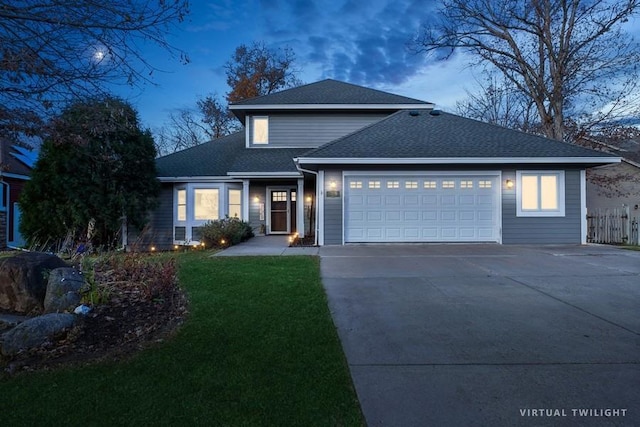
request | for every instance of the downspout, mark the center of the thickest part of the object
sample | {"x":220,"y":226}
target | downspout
{"x":316,"y":229}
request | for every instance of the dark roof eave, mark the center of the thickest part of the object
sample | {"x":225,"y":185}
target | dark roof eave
{"x":457,"y":160}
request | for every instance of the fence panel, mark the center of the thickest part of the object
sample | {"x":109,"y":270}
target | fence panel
{"x":612,"y":226}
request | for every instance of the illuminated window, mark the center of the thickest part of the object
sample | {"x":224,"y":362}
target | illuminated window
{"x":466,"y":184}
{"x":205,"y":203}
{"x":430,"y":184}
{"x":374,"y":184}
{"x":293,"y":196}
{"x":393,"y":184}
{"x":411,"y":184}
{"x":448,"y":184}
{"x":540,"y":193}
{"x":278,"y":196}
{"x":484,"y":184}
{"x":260,"y":130}
{"x":181,"y":204}
{"x":355,"y":184}
{"x":235,"y":203}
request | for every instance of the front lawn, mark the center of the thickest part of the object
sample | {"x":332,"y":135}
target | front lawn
{"x":258,"y":348}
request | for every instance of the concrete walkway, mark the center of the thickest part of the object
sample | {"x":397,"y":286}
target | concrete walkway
{"x":274,"y":245}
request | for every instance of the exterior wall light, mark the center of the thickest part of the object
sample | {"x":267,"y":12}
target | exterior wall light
{"x":333,"y":185}
{"x":509,"y":183}
{"x":309,"y":199}
{"x":256,"y":199}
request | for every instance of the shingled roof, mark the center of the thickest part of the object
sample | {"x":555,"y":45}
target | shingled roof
{"x":332,"y":92}
{"x":227,"y":155}
{"x":422,"y":134}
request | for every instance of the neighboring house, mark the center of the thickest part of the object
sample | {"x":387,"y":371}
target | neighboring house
{"x":616,"y":185}
{"x":350,"y":164}
{"x":16,"y":163}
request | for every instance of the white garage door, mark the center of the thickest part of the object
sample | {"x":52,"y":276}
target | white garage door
{"x":422,"y":208}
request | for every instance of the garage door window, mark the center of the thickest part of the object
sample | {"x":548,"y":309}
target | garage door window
{"x":448,"y":184}
{"x":393,"y":184}
{"x":411,"y":184}
{"x":374,"y":184}
{"x":484,"y":184}
{"x":466,"y":184}
{"x":430,"y":185}
{"x":540,"y":193}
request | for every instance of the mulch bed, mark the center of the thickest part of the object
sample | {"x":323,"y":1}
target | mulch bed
{"x":112,"y":331}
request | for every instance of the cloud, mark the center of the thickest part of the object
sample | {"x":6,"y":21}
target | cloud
{"x":349,"y":41}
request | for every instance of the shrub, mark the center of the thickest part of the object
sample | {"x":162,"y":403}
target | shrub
{"x":133,"y":276}
{"x":226,"y":232}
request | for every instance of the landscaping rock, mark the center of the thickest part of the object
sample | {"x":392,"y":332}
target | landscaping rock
{"x":23,"y":281}
{"x":63,"y":290}
{"x":35,"y":332}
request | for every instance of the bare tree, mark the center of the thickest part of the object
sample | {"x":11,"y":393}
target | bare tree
{"x":572,"y":58}
{"x":183,"y":130}
{"x":258,"y":70}
{"x":219,"y":120}
{"x":498,"y":102}
{"x":53,"y":50}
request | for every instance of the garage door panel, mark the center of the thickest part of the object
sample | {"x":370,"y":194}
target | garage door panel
{"x":421,"y":208}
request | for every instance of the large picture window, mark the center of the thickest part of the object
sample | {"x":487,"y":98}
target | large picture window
{"x":205,"y":205}
{"x":540,"y":193}
{"x":195,"y":204}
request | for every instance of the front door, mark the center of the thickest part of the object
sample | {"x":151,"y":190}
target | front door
{"x":282,"y":210}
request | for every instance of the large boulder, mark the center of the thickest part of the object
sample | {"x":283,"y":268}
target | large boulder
{"x":63,"y":290}
{"x":23,"y":281}
{"x":35,"y":332}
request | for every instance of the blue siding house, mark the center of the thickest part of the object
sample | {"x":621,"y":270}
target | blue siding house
{"x":349,"y":164}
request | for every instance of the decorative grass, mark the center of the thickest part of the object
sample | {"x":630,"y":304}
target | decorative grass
{"x":259,"y":349}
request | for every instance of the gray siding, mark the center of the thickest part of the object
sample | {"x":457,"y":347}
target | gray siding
{"x":515,"y":230}
{"x":543,"y":230}
{"x":312,"y":130}
{"x":159,"y":229}
{"x":333,"y":210}
{"x":258,"y":190}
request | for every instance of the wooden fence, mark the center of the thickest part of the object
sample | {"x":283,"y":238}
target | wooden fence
{"x":613,"y":226}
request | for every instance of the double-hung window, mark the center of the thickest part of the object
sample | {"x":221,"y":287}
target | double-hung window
{"x":540,"y":193}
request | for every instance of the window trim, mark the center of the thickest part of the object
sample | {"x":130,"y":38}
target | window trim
{"x":559,"y":212}
{"x":253,"y":130}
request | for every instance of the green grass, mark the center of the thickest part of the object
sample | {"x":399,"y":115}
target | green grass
{"x":259,"y":348}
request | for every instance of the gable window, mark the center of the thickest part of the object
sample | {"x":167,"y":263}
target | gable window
{"x":540,"y":193}
{"x":261,"y":130}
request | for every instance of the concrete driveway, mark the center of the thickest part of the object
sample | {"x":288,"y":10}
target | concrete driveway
{"x":489,"y":335}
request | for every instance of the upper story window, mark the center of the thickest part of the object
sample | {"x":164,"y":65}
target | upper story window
{"x":261,"y":130}
{"x":540,"y":193}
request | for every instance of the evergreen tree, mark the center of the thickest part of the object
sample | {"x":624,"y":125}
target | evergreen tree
{"x":96,"y":167}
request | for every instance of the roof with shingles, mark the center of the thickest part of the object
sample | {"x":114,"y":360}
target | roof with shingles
{"x":331,"y":92}
{"x":226,"y":155}
{"x":407,"y":135}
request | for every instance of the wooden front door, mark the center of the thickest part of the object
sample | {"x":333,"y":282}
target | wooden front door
{"x":282,"y":213}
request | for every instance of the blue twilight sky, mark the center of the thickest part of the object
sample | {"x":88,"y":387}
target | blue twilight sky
{"x":359,"y":42}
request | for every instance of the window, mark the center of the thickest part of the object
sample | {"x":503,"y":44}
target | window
{"x":260,"y":130}
{"x":466,"y":184}
{"x":448,"y":184}
{"x":393,"y":184}
{"x":205,"y":206}
{"x":181,"y":203}
{"x":484,"y":184}
{"x":278,"y":196}
{"x":430,"y":184}
{"x":355,"y":184}
{"x":235,"y":203}
{"x":374,"y":184}
{"x":293,"y":196}
{"x":411,"y":184}
{"x":540,"y":193}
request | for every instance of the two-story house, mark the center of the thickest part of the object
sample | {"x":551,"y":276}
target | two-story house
{"x":350,"y":164}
